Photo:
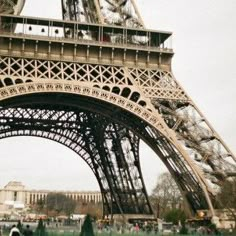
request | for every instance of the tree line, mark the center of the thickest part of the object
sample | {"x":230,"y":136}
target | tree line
{"x":166,"y":200}
{"x":57,"y":204}
{"x":168,"y":203}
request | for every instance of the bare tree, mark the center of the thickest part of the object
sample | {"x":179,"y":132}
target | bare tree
{"x":55,"y":202}
{"x":60,"y":203}
{"x":91,"y":208}
{"x":227,"y":198}
{"x":166,"y":195}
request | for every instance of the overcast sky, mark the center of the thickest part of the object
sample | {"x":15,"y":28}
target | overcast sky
{"x":204,"y":64}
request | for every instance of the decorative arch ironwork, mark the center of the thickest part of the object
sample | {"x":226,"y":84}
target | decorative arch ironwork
{"x":100,"y":142}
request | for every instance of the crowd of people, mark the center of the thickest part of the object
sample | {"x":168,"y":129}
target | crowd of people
{"x":15,"y":231}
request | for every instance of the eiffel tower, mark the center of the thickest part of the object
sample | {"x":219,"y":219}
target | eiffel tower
{"x":98,"y":82}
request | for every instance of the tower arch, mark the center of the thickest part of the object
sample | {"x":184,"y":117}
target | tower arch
{"x":123,"y":120}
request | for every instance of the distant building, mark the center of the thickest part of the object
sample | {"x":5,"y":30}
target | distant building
{"x":15,"y":196}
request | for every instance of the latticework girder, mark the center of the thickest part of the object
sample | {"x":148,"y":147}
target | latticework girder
{"x":113,"y":12}
{"x":178,"y":111}
{"x":201,"y":141}
{"x":110,"y":150}
{"x":11,"y":6}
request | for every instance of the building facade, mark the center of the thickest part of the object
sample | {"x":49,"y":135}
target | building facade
{"x":15,"y":195}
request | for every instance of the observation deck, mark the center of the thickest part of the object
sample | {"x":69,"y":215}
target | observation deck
{"x":31,"y":37}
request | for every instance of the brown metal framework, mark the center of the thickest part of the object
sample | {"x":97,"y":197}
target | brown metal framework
{"x":98,"y":89}
{"x":11,"y":6}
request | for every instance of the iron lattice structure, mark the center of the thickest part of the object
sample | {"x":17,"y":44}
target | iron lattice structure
{"x":98,"y":82}
{"x":11,"y":6}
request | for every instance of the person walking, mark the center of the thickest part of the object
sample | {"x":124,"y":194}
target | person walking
{"x":28,"y":231}
{"x":14,"y":231}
